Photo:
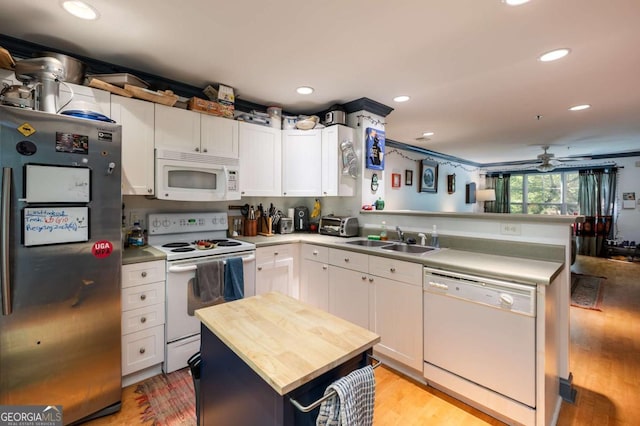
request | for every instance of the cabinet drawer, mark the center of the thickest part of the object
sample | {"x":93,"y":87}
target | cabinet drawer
{"x":142,"y":349}
{"x":142,"y":318}
{"x":142,"y":295}
{"x":274,"y":253}
{"x":317,"y":253}
{"x":398,"y":270}
{"x":349,"y":259}
{"x":143,"y":273}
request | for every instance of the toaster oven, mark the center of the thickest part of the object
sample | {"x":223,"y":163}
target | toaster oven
{"x":346,"y":226}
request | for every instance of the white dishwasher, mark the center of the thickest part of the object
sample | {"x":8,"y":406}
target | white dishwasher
{"x":479,"y":339}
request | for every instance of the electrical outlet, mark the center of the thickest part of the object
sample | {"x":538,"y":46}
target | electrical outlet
{"x":136,"y":216}
{"x":510,"y":229}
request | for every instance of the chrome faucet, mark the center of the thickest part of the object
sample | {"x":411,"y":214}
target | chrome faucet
{"x":400,"y":233}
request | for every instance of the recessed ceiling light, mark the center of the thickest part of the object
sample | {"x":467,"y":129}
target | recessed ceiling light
{"x":427,"y":134}
{"x":515,"y":2}
{"x":304,"y":90}
{"x":403,"y":98}
{"x":554,"y":55}
{"x":80,"y":9}
{"x":579,"y":107}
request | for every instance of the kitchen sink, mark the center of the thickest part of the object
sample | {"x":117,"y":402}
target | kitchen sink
{"x":369,"y":243}
{"x":406,"y":248}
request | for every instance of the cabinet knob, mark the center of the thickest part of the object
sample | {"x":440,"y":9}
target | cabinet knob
{"x":324,"y":267}
{"x":364,"y":277}
{"x":144,"y":274}
{"x":143,"y":297}
{"x":197,"y":149}
{"x":204,"y":150}
{"x":346,"y":259}
{"x":315,"y":252}
{"x":142,"y":351}
{"x":259,"y":268}
{"x":392,"y":269}
{"x":149,"y":190}
{"x":371,"y":279}
{"x":143,"y":320}
{"x":275,"y":253}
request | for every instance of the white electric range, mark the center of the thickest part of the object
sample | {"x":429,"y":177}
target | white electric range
{"x":177,"y":235}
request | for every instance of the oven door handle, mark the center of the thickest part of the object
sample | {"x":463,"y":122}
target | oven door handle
{"x":192,"y":267}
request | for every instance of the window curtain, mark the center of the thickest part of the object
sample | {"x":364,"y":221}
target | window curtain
{"x":501,"y":185}
{"x":596,"y":199}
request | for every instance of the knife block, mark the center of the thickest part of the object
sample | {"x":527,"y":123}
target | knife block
{"x":265,"y":225}
{"x":251,"y":227}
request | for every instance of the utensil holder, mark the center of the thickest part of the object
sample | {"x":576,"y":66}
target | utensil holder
{"x":251,"y":227}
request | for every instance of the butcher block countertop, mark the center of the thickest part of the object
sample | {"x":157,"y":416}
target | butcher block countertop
{"x":286,"y":342}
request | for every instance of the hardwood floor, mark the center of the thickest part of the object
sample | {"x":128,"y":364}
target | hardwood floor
{"x":605,"y":349}
{"x":604,"y":360}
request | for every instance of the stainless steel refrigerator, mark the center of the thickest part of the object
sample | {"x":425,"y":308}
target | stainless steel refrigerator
{"x":61,"y":253}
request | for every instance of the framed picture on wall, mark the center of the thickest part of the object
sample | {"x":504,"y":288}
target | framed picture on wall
{"x":374,"y":144}
{"x":408,"y":177}
{"x":395,"y":180}
{"x":428,"y":176}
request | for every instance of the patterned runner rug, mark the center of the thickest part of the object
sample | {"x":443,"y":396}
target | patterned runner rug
{"x":586,"y":291}
{"x":168,"y":400}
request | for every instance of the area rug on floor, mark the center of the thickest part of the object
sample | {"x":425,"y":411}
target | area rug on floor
{"x":168,"y":400}
{"x":586,"y":291}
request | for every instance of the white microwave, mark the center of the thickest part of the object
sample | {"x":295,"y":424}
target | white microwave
{"x":186,"y":176}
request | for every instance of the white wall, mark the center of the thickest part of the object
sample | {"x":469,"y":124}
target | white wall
{"x":408,"y":198}
{"x":628,"y":220}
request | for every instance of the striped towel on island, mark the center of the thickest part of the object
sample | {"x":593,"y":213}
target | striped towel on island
{"x":353,"y":403}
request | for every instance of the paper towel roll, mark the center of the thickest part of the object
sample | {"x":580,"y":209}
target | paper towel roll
{"x":290,"y":213}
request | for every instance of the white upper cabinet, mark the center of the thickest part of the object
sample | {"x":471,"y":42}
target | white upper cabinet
{"x":177,"y":129}
{"x":218,"y":136}
{"x":137,"y":118}
{"x":191,"y":131}
{"x":334,"y":182}
{"x":260,"y":160}
{"x":301,"y":163}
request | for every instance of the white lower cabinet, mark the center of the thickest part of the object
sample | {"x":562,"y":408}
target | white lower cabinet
{"x":349,"y":295}
{"x":143,"y":317}
{"x":397,"y":319}
{"x":314,"y":277}
{"x":383,"y":295}
{"x":275,"y":270}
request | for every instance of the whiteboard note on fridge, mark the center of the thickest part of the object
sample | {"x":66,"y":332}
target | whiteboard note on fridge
{"x":57,"y":184}
{"x":55,"y":225}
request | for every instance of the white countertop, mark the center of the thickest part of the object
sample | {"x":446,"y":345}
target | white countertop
{"x":523,"y":270}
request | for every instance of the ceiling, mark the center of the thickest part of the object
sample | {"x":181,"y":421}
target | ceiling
{"x":469,"y":66}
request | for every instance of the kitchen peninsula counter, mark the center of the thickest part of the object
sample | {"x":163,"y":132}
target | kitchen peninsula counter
{"x":514,"y":267}
{"x":259,"y":351}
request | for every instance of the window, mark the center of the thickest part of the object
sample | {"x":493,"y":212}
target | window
{"x":544,"y":193}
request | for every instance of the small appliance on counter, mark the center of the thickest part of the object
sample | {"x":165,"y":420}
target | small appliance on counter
{"x":285,"y":225}
{"x":339,"y":226}
{"x":301,"y":219}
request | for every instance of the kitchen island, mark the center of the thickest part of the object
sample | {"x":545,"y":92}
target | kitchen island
{"x":259,"y":352}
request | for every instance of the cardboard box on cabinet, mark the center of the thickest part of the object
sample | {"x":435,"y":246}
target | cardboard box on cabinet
{"x":211,"y":107}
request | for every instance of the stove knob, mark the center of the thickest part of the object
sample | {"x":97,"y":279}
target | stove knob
{"x":156,"y":223}
{"x":166,"y":223}
{"x":214,"y":220}
{"x":223,"y":221}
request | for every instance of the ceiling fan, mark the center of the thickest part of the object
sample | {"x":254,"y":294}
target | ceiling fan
{"x":547,"y":162}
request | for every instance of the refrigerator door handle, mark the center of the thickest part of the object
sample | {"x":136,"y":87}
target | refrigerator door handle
{"x":5,"y":216}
